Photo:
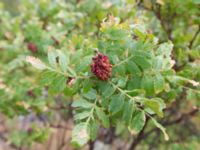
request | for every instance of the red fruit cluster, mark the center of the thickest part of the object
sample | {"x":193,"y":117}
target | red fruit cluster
{"x":32,"y":47}
{"x":101,"y":67}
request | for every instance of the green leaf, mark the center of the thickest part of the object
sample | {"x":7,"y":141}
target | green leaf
{"x":58,"y":84}
{"x":84,"y":63}
{"x":108,"y":90}
{"x":156,"y":105}
{"x":93,"y":130}
{"x":132,"y":67}
{"x":161,"y":128}
{"x":103,"y":117}
{"x":158,"y":63}
{"x":82,"y":115}
{"x":165,"y":49}
{"x":134,"y":83}
{"x":82,"y":103}
{"x":122,"y":82}
{"x":71,"y":71}
{"x":159,"y":83}
{"x":52,"y":56}
{"x":147,"y":84}
{"x":63,"y":60}
{"x":129,"y":107}
{"x":138,"y":32}
{"x":87,"y":85}
{"x":142,"y":62}
{"x":105,"y":102}
{"x":76,"y":56}
{"x":70,"y":91}
{"x":116,"y":104}
{"x":80,"y":135}
{"x":120,"y":70}
{"x":47,"y":77}
{"x":92,"y":94}
{"x":137,"y":122}
{"x":135,"y":92}
{"x":180,"y":80}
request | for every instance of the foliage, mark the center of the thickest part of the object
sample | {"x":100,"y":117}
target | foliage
{"x":152,"y":45}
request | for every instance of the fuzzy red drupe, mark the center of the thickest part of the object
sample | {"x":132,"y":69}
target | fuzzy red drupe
{"x":101,"y":67}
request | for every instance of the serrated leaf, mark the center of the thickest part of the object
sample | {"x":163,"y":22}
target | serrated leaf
{"x":159,"y":83}
{"x":108,"y":90}
{"x":137,"y":122}
{"x":85,"y":63}
{"x":181,"y":79}
{"x":82,"y":103}
{"x":129,"y":107}
{"x":93,"y":130}
{"x":87,"y":85}
{"x":158,"y":63}
{"x":36,"y":62}
{"x":165,"y":49}
{"x":116,"y":104}
{"x":105,"y":102}
{"x":132,"y":67}
{"x":92,"y":94}
{"x":156,"y":105}
{"x":122,"y":82}
{"x":76,"y":56}
{"x":63,"y":61}
{"x":71,"y":71}
{"x":47,"y":77}
{"x":135,"y":92}
{"x":142,"y":62}
{"x":161,"y":128}
{"x":58,"y":84}
{"x":82,"y":115}
{"x":147,"y":84}
{"x":52,"y":56}
{"x":134,"y":83}
{"x":80,"y":135}
{"x":120,"y":70}
{"x":103,"y":117}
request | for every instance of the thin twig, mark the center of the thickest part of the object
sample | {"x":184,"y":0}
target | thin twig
{"x":175,"y":121}
{"x":182,"y":117}
{"x":60,"y":126}
{"x":143,"y":135}
{"x":194,"y":38}
{"x":138,"y":139}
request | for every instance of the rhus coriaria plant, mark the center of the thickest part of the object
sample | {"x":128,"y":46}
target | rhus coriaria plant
{"x":124,"y":77}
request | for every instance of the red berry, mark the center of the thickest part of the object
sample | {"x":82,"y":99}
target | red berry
{"x":101,"y":67}
{"x":32,"y":47}
{"x":30,"y":130}
{"x":30,"y":93}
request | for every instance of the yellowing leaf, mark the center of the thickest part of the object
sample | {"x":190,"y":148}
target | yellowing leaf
{"x":161,"y":2}
{"x":161,"y":128}
{"x":80,"y":135}
{"x":35,"y":62}
{"x":137,"y":122}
